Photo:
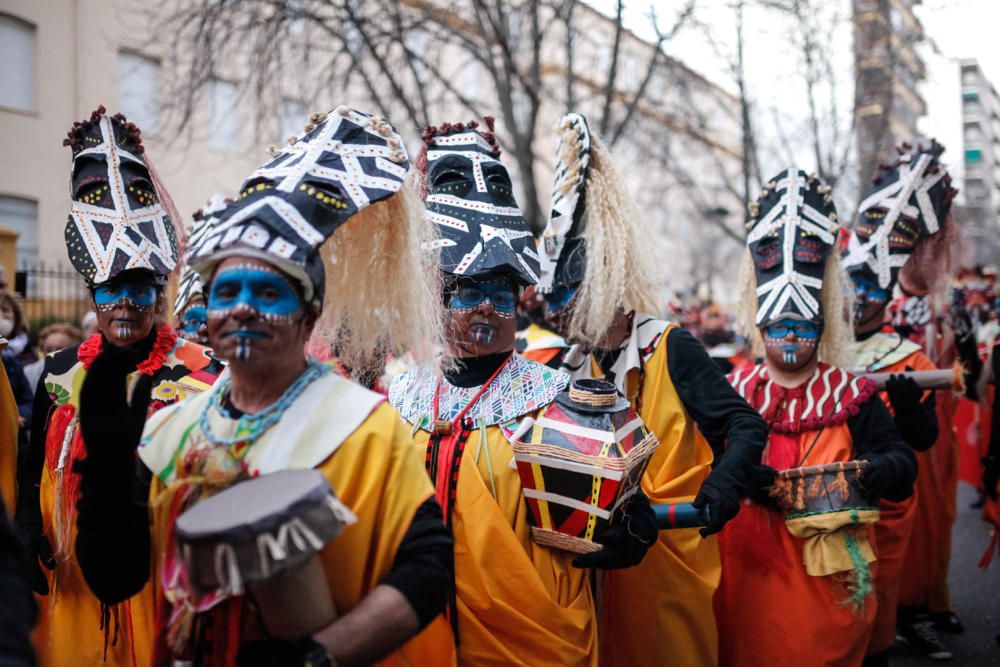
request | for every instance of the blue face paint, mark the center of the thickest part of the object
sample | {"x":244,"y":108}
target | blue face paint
{"x":469,"y":295}
{"x":107,"y":295}
{"x":802,"y":329}
{"x":559,"y":298}
{"x":869,"y":290}
{"x":267,"y":293}
{"x":193,"y":320}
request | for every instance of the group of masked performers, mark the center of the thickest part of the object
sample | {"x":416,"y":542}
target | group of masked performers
{"x":514,"y":499}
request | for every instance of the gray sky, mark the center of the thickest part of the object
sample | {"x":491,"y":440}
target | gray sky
{"x":954,"y":29}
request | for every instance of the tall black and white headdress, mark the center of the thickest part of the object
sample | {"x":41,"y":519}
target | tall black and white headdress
{"x":190,"y":285}
{"x":792,"y":227}
{"x":470,"y":201}
{"x":117,"y":221}
{"x":909,"y":201}
{"x":563,"y":247}
{"x":343,"y":162}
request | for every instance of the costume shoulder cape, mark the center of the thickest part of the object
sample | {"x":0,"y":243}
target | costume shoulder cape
{"x":326,"y":413}
{"x":880,"y":351}
{"x":831,"y":396}
{"x":523,"y":386}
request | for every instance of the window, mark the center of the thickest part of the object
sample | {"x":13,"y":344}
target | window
{"x":416,"y":43}
{"x":18,"y":74}
{"x":223,"y":128}
{"x":21,"y":216}
{"x":973,"y":156}
{"x":970,"y":96}
{"x":970,"y":77}
{"x":293,"y":118}
{"x":139,"y":91}
{"x":972,"y":133}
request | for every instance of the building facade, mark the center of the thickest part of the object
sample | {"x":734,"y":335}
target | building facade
{"x":64,"y":58}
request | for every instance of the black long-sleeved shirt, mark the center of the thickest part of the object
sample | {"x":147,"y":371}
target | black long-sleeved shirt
{"x":873,"y":431}
{"x":734,"y":430}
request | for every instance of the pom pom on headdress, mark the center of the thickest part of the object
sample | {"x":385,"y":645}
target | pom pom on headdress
{"x":85,"y":134}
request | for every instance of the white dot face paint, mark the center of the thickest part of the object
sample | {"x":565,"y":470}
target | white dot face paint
{"x":790,"y":343}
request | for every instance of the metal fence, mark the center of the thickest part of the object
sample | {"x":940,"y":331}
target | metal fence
{"x":50,"y":293}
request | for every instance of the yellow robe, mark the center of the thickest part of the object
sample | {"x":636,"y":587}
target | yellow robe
{"x":660,"y":612}
{"x":519,"y":603}
{"x":374,"y":470}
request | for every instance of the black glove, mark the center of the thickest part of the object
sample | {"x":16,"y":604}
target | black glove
{"x":760,"y":481}
{"x":991,"y":476}
{"x":876,"y":477}
{"x":283,"y":653}
{"x":904,"y":394}
{"x":722,"y":496}
{"x":627,"y":540}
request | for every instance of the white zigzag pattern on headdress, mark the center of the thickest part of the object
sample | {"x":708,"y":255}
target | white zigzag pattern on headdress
{"x":121,"y":217}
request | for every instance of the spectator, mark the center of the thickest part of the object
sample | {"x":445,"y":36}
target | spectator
{"x":24,"y":396}
{"x":14,"y":329}
{"x":51,"y":339}
{"x":89,"y":324}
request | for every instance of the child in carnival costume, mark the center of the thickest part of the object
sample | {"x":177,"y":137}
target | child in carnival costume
{"x":120,"y":237}
{"x":819,"y":563}
{"x":517,"y":602}
{"x":601,"y":282}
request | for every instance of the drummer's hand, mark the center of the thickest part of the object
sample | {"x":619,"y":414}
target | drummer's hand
{"x":283,"y":653}
{"x":875,"y":478}
{"x":723,"y":500}
{"x":904,"y":393}
{"x":759,"y":484}
{"x":626,"y":541}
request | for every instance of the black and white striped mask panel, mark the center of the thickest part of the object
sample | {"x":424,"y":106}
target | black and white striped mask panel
{"x":471,"y":203}
{"x":792,"y":228}
{"x":908,"y":201}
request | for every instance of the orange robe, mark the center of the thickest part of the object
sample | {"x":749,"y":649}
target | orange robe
{"x":518,"y":602}
{"x":8,"y":445}
{"x":770,"y":610}
{"x":660,"y":611}
{"x":70,"y":628}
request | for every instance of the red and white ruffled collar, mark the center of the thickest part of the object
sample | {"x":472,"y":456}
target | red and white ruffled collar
{"x":831,"y":396}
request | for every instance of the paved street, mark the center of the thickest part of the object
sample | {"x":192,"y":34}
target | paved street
{"x":976,"y":595}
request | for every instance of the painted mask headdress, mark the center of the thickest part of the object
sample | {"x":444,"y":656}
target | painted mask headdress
{"x":909,"y":201}
{"x":791,"y":230}
{"x":190,"y":285}
{"x":595,"y":240}
{"x":345,"y":165}
{"x":471,"y":203}
{"x":118,"y":220}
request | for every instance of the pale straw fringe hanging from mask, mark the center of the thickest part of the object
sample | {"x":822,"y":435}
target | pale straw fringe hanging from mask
{"x":623,"y":255}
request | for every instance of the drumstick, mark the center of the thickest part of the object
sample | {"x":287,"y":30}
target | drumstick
{"x":680,"y":515}
{"x":937,"y":379}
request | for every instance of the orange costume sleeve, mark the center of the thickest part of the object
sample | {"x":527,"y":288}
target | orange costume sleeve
{"x":8,"y":445}
{"x":660,"y":612}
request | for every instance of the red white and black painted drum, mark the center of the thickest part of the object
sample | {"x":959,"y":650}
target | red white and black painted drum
{"x":579,"y":462}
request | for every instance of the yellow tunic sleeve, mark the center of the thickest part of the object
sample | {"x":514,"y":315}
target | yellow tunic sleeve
{"x":8,"y":445}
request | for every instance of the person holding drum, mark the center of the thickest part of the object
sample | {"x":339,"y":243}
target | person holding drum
{"x":798,"y":563}
{"x":904,"y":229}
{"x":517,"y":601}
{"x":600,"y":279}
{"x":325,"y":214}
{"x":120,"y":237}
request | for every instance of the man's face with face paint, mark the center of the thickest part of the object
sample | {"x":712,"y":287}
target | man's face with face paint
{"x":481,"y":316}
{"x":790,"y":344}
{"x":870,"y":302}
{"x":127,"y":307}
{"x":193,"y":325}
{"x":255,"y":314}
{"x":559,"y":305}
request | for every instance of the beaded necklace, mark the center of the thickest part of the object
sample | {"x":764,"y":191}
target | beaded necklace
{"x":250,"y":427}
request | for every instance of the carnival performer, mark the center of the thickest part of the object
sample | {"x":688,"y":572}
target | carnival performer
{"x":261,"y":262}
{"x":898,"y":236}
{"x":120,"y":238}
{"x":600,"y":279}
{"x":517,"y":602}
{"x":797,"y":569}
{"x":189,"y":306}
{"x":534,"y":340}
